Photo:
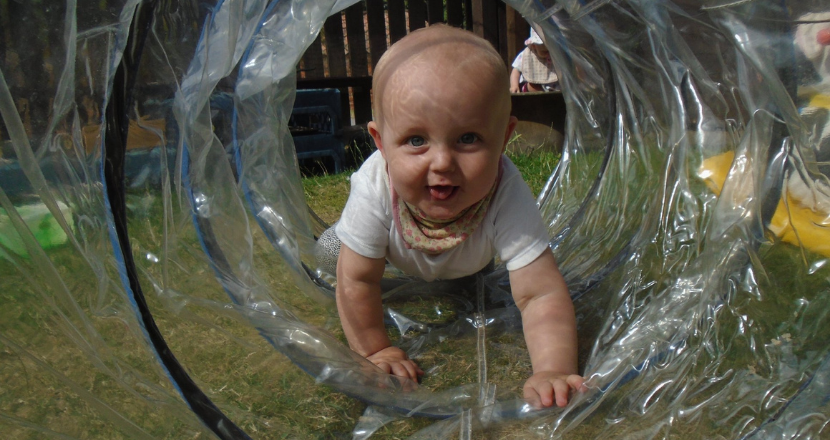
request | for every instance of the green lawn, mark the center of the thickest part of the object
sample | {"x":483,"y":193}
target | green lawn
{"x":72,"y":359}
{"x":71,"y":356}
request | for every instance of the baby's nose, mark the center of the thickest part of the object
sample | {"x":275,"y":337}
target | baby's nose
{"x":442,"y":160}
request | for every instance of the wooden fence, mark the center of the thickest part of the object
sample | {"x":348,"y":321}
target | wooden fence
{"x":352,"y":41}
{"x":343,"y":55}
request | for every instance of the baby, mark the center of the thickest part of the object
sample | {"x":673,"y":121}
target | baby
{"x":440,"y":200}
{"x":812,"y":38}
{"x":533,"y":68}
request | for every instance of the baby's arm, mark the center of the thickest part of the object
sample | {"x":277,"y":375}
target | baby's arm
{"x":550,"y":331}
{"x":361,"y":313}
{"x":515,"y":75}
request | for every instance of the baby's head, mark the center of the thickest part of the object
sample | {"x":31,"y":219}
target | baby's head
{"x":456,"y":57}
{"x":536,"y":45}
{"x":441,"y":118}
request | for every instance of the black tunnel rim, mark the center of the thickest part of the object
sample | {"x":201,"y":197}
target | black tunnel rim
{"x":114,"y":147}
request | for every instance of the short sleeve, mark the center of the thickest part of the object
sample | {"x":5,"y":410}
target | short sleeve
{"x":365,"y":222}
{"x":521,"y":235}
{"x":517,"y":62}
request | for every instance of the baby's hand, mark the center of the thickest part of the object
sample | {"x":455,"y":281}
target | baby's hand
{"x":394,"y":361}
{"x":541,"y":389}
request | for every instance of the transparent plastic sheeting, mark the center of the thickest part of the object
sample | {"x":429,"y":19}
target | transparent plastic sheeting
{"x":157,"y":253}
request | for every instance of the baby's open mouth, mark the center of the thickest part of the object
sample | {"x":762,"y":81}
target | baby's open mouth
{"x":442,"y":192}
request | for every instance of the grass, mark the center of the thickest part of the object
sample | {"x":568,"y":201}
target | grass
{"x":73,"y":360}
{"x":50,"y":380}
{"x":740,"y":358}
{"x":451,"y":363}
{"x":327,"y":194}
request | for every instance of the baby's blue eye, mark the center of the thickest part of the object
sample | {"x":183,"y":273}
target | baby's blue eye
{"x":468,"y":138}
{"x":416,"y":141}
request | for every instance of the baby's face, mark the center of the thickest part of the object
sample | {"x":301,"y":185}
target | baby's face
{"x":541,"y":50}
{"x":442,"y":134}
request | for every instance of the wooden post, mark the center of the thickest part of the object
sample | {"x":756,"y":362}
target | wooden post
{"x":376,"y":23}
{"x":417,"y":14}
{"x":435,"y":11}
{"x":517,"y":32}
{"x":455,"y":13}
{"x":336,"y":54}
{"x":357,"y":40}
{"x":359,"y":64}
{"x":397,"y":19}
{"x":478,"y":19}
{"x":335,"y":47}
{"x":468,"y":15}
{"x":501,"y":24}
{"x":312,"y":61}
{"x":485,"y":20}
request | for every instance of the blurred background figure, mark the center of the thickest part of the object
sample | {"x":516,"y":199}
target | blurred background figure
{"x":533,"y":68}
{"x":812,"y":39}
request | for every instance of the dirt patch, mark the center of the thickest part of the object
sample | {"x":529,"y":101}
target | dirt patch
{"x":532,"y":137}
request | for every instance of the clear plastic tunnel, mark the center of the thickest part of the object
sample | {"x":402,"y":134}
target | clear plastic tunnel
{"x":157,"y":267}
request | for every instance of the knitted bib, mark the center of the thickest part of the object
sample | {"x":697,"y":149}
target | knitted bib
{"x":434,"y":236}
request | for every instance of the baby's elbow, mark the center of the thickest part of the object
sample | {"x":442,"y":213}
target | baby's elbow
{"x":523,"y":298}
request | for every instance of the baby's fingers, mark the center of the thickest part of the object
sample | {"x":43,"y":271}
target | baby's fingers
{"x":539,"y":394}
{"x":404,"y":369}
{"x":414,"y":370}
{"x":385,"y":366}
{"x":576,"y":382}
{"x":562,"y":390}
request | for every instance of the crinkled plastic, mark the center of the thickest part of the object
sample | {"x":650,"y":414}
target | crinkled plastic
{"x":157,"y":255}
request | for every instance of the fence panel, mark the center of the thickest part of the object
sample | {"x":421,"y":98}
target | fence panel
{"x":397,"y":19}
{"x":435,"y":11}
{"x":486,"y":21}
{"x":358,"y":61}
{"x":517,"y":30}
{"x":351,"y":58}
{"x":335,"y":45}
{"x":312,"y":65}
{"x":376,"y":23}
{"x":336,"y":54}
{"x":417,"y":14}
{"x":455,"y":13}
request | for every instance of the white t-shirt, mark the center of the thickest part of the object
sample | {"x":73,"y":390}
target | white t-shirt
{"x":513,"y":227}
{"x":517,"y":64}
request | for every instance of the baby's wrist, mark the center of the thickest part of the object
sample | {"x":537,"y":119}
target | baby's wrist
{"x":554,"y":372}
{"x":370,"y":344}
{"x":389,"y":349}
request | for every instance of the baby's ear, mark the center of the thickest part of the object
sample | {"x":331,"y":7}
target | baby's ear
{"x":375,"y":133}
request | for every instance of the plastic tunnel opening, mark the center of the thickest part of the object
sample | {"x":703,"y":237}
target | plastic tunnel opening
{"x":157,"y":259}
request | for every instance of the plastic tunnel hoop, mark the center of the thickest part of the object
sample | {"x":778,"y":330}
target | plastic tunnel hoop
{"x":770,"y":201}
{"x":689,"y":212}
{"x":113,"y":171}
{"x":318,"y":281}
{"x":773,"y":195}
{"x":226,"y":277}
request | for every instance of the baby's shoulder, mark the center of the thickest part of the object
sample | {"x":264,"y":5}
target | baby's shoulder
{"x":514,"y":197}
{"x":370,"y":185}
{"x":510,"y":174}
{"x":372,"y":172}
